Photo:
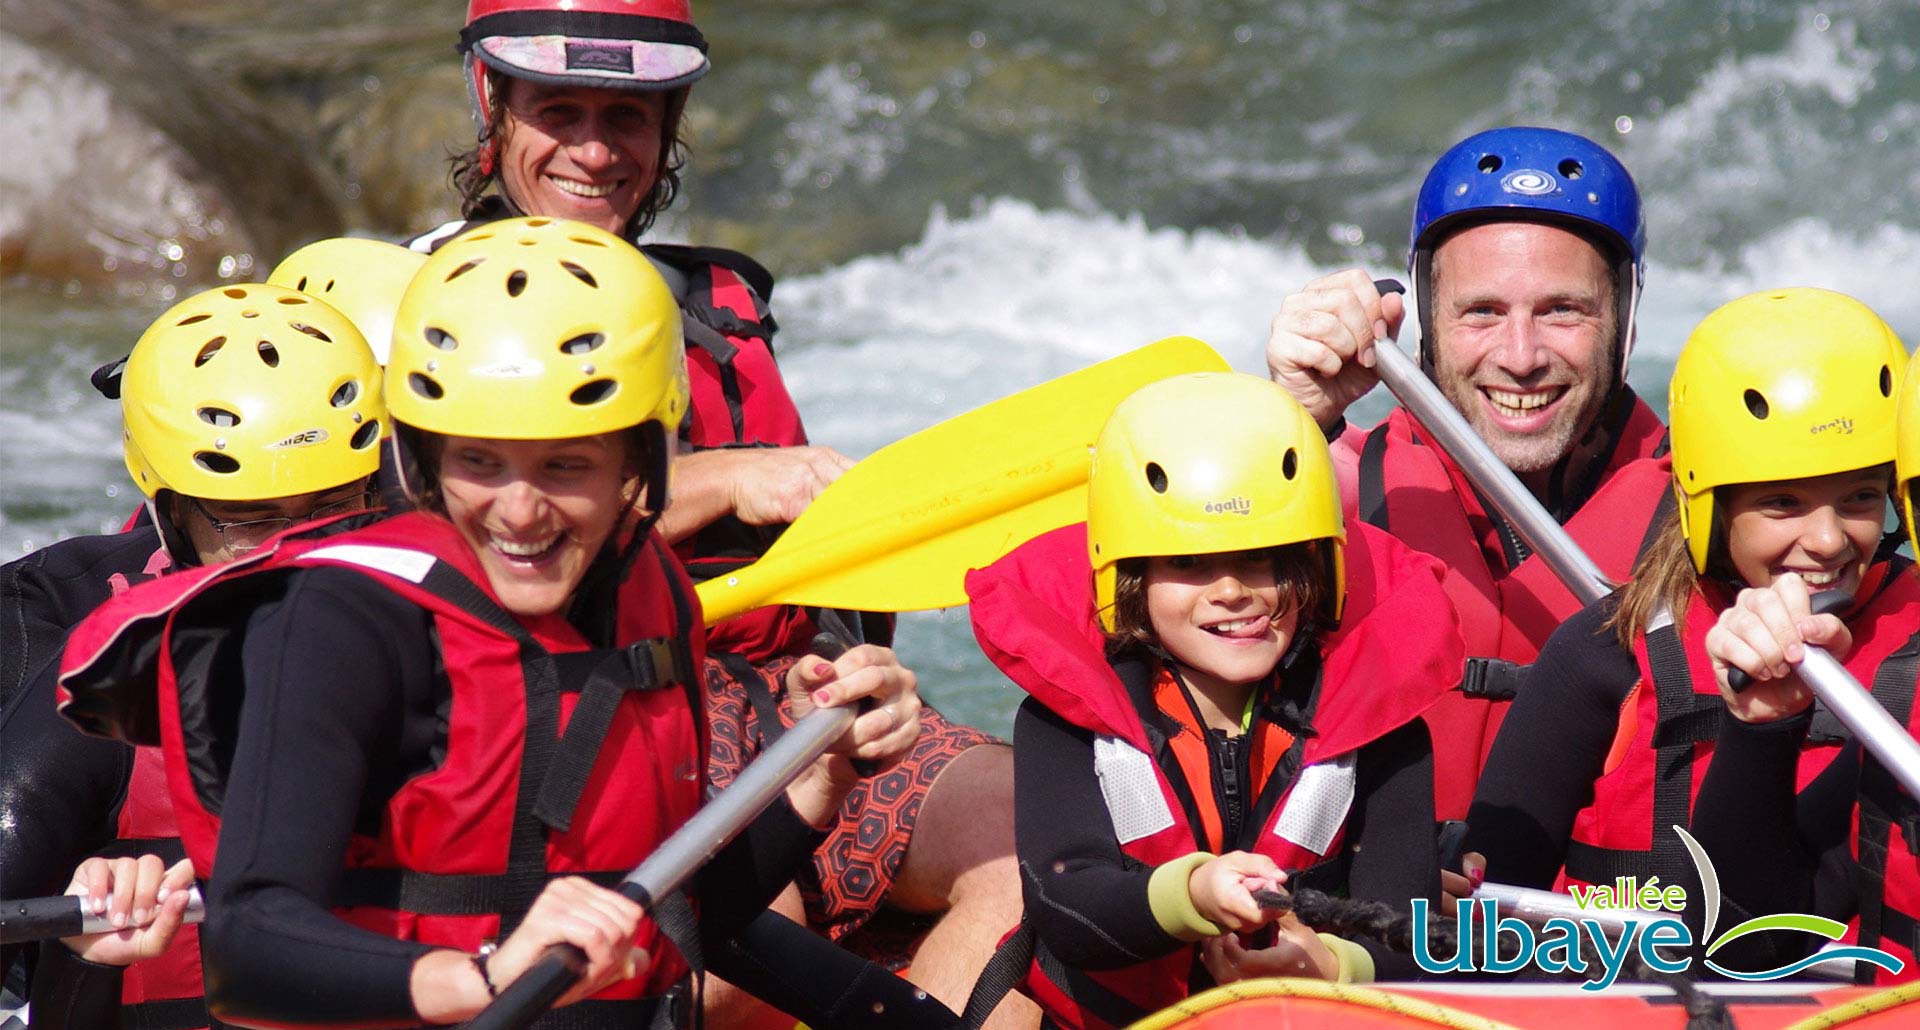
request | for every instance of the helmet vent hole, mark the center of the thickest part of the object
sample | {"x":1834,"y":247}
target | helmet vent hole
{"x":192,"y":319}
{"x":1571,"y":169}
{"x":311,"y":331}
{"x":592,"y":393}
{"x":579,"y":273}
{"x":218,"y":417}
{"x":293,"y":300}
{"x":235,"y":292}
{"x":586,"y":241}
{"x":441,"y":338}
{"x":301,"y":285}
{"x":538,"y":222}
{"x":1886,"y":381}
{"x":348,"y":392}
{"x":1489,"y":163}
{"x":517,"y":283}
{"x":464,"y":269}
{"x":269,"y":354}
{"x":1756,"y":403}
{"x":1156,"y":477}
{"x":215,"y":462}
{"x":207,"y":352}
{"x":1290,"y":464}
{"x":583,"y":343}
{"x":425,"y":386}
{"x":367,"y":435}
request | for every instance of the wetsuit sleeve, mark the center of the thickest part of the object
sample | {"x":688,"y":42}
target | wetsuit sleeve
{"x":70,"y":993}
{"x":331,"y":670}
{"x":1551,"y":748}
{"x":749,"y":873}
{"x":1391,"y":836}
{"x":1774,"y":852}
{"x":60,"y":790}
{"x":1086,"y":899}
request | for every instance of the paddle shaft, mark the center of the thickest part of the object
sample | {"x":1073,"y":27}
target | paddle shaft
{"x":679,"y":856}
{"x":63,"y":915}
{"x":1830,"y":681}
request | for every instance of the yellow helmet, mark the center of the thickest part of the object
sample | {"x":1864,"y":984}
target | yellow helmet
{"x":250,"y":392}
{"x":537,"y":329}
{"x":363,"y":279}
{"x":1208,"y":463}
{"x":1783,"y":384}
{"x":1907,"y":447}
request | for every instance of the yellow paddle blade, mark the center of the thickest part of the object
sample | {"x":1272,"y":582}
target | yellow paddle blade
{"x":900,"y":529}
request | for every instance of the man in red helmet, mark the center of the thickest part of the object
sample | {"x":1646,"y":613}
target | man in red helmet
{"x":579,"y":106}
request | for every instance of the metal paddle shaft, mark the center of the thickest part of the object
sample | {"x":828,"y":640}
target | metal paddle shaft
{"x":681,"y":855}
{"x":1830,"y":681}
{"x":62,"y":915}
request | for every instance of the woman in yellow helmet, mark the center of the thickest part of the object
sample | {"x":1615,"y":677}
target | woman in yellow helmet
{"x":1226,"y":682}
{"x":1782,"y":415}
{"x":461,"y":721}
{"x":248,"y":409}
{"x":1845,"y":848}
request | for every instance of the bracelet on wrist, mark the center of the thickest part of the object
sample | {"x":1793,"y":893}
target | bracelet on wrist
{"x":479,"y":959}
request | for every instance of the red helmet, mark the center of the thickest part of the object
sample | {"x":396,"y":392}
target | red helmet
{"x":613,"y":44}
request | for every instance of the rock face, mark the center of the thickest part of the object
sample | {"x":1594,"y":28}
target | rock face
{"x":132,"y":172}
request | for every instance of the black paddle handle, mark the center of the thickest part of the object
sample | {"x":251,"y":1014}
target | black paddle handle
{"x":1826,"y":602}
{"x":562,"y":965}
{"x":39,"y":919}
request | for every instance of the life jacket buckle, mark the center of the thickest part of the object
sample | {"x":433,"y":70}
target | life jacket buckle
{"x":1492,"y":679}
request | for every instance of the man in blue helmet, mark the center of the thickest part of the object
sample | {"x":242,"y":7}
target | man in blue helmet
{"x":1527,"y":262}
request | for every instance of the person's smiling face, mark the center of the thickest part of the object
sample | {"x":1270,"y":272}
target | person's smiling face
{"x":579,"y":152}
{"x":535,"y":512}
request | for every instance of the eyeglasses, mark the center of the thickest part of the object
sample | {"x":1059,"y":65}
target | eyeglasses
{"x":245,"y":536}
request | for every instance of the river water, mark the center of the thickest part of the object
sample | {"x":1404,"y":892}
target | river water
{"x":970,"y":198}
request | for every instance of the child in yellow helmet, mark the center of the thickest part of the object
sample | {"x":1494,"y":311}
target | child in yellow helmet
{"x":1782,"y":415}
{"x":1844,"y":847}
{"x":1226,"y":683}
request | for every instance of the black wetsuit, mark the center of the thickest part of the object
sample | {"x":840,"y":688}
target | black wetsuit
{"x":342,"y":692}
{"x":60,"y":790}
{"x":1092,"y":909}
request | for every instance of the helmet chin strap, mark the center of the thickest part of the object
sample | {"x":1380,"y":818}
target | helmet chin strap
{"x":594,"y":610}
{"x":173,"y":539}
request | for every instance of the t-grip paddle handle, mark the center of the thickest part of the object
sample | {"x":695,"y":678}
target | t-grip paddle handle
{"x":561,"y":966}
{"x":1826,"y":602}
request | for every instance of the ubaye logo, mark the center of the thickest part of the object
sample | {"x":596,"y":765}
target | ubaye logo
{"x":1629,"y":917}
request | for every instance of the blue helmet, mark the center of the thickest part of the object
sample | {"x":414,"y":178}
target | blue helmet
{"x":1539,"y":175}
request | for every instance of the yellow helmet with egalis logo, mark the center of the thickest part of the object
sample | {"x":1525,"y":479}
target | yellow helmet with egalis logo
{"x":1209,"y":463}
{"x":1781,"y":384}
{"x":250,"y":392}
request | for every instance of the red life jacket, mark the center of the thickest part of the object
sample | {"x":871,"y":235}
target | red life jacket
{"x":1408,"y":486}
{"x":1675,"y":711}
{"x":607,"y":766}
{"x":739,"y":400}
{"x":166,"y":992}
{"x":1396,"y":651}
{"x":1886,"y":833}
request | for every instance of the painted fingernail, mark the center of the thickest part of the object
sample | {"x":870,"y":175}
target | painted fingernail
{"x":823,"y":669}
{"x":1476,"y":876}
{"x":822,"y":697}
